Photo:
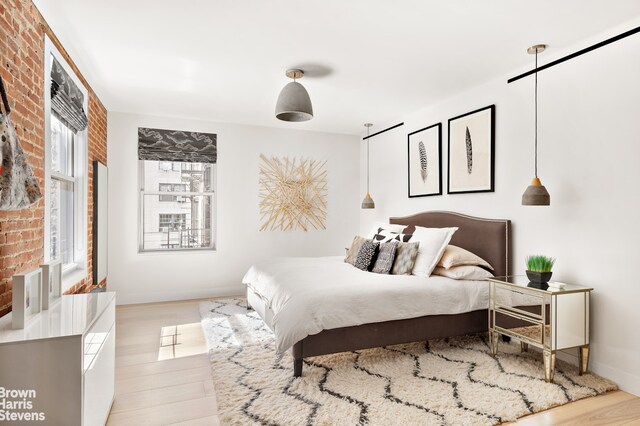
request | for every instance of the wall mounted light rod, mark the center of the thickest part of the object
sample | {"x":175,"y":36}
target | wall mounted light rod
{"x":576,"y":54}
{"x":382,"y":131}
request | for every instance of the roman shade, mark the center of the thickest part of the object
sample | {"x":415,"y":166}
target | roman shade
{"x":67,"y":101}
{"x":177,"y":145}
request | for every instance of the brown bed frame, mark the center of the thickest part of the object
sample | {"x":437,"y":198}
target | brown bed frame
{"x":488,"y":238}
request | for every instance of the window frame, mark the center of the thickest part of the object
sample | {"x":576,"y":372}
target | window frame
{"x":212,"y":212}
{"x":77,"y":271}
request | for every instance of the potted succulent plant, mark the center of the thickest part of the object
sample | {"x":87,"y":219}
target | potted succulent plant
{"x":539,"y":269}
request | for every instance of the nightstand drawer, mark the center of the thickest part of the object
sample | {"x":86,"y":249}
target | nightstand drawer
{"x":520,"y":302}
{"x":523,"y":327}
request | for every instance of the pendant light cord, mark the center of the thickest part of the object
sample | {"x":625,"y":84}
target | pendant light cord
{"x":367,"y":160}
{"x":536,"y":118}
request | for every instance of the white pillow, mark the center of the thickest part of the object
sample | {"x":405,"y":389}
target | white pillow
{"x":433,"y":242}
{"x":464,"y":272}
{"x":386,"y":226}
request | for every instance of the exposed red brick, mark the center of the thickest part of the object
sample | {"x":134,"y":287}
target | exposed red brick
{"x":22,"y":30}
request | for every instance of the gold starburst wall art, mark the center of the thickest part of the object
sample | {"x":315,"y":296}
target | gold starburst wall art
{"x":293,"y":194}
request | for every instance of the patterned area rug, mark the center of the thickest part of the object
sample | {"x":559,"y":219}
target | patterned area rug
{"x":441,"y":382}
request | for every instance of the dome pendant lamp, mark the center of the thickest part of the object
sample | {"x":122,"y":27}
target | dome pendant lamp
{"x":368,"y":203}
{"x":536,"y":194}
{"x":294,"y":103}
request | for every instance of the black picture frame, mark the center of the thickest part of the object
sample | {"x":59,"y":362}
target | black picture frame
{"x":464,"y":145}
{"x":413,"y":158}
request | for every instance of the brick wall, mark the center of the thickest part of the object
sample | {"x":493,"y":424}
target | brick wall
{"x":22,"y":32}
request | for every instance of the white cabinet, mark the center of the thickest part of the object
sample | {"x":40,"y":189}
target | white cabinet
{"x":63,"y":363}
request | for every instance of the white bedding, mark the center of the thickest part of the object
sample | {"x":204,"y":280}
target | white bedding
{"x":311,"y":294}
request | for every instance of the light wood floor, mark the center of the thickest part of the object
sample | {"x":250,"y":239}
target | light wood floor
{"x":157,"y":382}
{"x":163,"y":377}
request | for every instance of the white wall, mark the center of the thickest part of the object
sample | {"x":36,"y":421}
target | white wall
{"x":151,"y":277}
{"x":589,"y":154}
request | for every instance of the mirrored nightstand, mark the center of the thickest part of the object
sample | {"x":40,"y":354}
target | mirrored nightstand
{"x":552,"y":319}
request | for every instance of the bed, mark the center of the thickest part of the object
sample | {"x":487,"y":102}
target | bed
{"x":377,"y":317}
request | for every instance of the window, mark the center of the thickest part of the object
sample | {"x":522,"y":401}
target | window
{"x":177,"y":189}
{"x":183,"y":219}
{"x":172,"y":222}
{"x":172,"y":187}
{"x":169,"y":166}
{"x":62,"y":184}
{"x":65,"y":158}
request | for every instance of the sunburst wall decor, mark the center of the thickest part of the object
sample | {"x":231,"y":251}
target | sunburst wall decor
{"x":293,"y":194}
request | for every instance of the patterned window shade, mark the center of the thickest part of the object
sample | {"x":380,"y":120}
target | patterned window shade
{"x":177,"y":145}
{"x":67,"y":101}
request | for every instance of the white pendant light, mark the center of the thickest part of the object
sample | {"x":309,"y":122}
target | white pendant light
{"x":368,"y":203}
{"x":536,"y":194}
{"x":293,"y":102}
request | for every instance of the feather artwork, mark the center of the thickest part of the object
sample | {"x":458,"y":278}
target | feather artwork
{"x":423,"y":161}
{"x":469,"y":152}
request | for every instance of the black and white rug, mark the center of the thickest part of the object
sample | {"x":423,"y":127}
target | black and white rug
{"x":441,"y":382}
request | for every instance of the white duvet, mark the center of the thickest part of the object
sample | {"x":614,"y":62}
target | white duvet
{"x":311,"y":294}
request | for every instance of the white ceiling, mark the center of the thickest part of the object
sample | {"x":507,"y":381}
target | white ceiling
{"x":224,"y":60}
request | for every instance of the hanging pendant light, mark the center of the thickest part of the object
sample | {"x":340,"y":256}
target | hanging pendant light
{"x":368,"y":203}
{"x":536,"y":194}
{"x":293,"y":102}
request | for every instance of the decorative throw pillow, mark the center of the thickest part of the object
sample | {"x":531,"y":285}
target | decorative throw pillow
{"x":464,"y":272}
{"x":405,"y":258}
{"x":432,"y":241}
{"x":387,"y":226}
{"x":457,"y":256}
{"x":386,"y":254}
{"x":384,"y":236}
{"x":365,"y":255}
{"x":352,"y":253}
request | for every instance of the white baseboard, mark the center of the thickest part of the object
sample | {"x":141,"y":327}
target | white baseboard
{"x":129,"y":298}
{"x":625,"y":381}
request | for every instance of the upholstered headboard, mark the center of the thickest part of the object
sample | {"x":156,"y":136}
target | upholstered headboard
{"x":488,"y":238}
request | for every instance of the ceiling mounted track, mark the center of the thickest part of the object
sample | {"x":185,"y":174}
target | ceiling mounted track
{"x":382,"y":131}
{"x":576,"y":54}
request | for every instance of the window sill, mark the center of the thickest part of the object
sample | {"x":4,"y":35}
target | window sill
{"x":73,"y":277}
{"x":178,"y":252}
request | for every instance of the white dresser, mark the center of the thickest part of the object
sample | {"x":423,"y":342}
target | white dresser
{"x":60,"y":370}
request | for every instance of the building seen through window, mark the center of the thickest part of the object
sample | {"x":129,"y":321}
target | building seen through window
{"x":177,"y":205}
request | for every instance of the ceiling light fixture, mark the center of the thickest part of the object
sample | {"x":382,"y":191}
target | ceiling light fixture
{"x":536,"y":194}
{"x":294,"y":103}
{"x":368,"y":203}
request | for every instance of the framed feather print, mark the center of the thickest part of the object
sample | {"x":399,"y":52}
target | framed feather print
{"x":471,"y":152}
{"x":424,"y":148}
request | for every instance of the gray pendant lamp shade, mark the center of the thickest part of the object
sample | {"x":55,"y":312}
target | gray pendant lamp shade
{"x":536,"y":194}
{"x":368,"y":203}
{"x":294,"y":103}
